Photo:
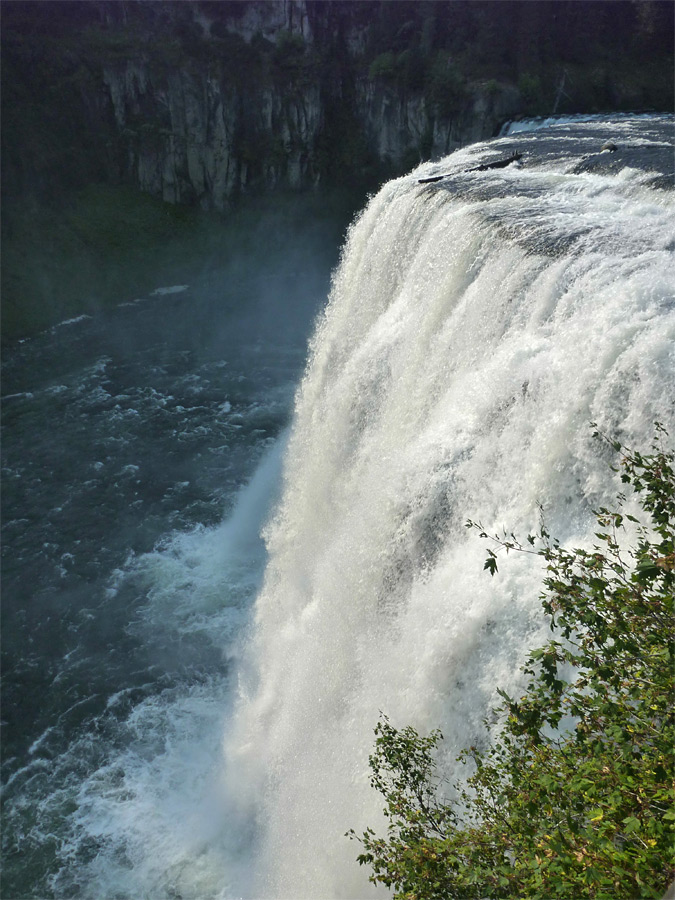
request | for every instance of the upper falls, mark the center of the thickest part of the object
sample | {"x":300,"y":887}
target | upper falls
{"x":475,"y":327}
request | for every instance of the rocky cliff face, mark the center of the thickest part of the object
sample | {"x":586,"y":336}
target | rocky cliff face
{"x":219,"y":121}
{"x":191,"y":135}
{"x":201,"y":102}
{"x":404,"y":129}
{"x":197,"y":102}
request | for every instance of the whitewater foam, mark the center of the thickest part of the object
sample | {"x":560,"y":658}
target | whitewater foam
{"x":473,"y":332}
{"x":152,"y":816}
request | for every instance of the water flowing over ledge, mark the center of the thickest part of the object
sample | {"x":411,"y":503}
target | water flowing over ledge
{"x":475,"y":327}
{"x":200,"y":702}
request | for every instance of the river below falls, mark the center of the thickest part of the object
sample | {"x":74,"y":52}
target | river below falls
{"x":131,"y":553}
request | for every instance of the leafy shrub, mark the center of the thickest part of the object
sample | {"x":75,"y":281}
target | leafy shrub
{"x":584,"y":811}
{"x":491,"y":87}
{"x":412,"y":68}
{"x":408,"y":69}
{"x":532,"y":92}
{"x":290,"y":50}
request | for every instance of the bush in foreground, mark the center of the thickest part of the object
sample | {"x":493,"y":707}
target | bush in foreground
{"x":575,"y":796}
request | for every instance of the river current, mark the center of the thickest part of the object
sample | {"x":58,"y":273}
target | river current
{"x":222,"y":556}
{"x":140,"y":453}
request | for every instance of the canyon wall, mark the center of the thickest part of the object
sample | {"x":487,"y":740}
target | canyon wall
{"x":203,"y":103}
{"x":196,"y":102}
{"x":256,"y":102}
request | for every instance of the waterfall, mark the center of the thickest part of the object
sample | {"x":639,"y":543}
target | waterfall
{"x":474,"y":329}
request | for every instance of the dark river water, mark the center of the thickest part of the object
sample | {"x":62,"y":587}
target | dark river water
{"x":125,"y":438}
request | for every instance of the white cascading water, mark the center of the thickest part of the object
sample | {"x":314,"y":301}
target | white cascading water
{"x":471,"y":336}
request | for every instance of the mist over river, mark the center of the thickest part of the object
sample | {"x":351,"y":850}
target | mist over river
{"x":141,"y":450}
{"x":224,"y":554}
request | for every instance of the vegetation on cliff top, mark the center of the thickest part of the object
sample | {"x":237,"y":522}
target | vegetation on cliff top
{"x":612,"y":56}
{"x":107,"y":244}
{"x":575,"y":796}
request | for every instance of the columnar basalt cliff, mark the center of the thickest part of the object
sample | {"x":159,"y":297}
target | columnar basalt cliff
{"x":195,"y":135}
{"x":112,"y":109}
{"x":196,"y":102}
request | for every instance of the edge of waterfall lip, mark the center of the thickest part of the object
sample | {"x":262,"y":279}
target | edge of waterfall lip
{"x":536,"y":123}
{"x":644,"y":142}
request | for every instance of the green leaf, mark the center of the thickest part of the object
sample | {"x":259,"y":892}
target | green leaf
{"x":613,"y":607}
{"x":490,"y":565}
{"x":631,"y":824}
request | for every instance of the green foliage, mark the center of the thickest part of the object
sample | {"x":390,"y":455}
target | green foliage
{"x":109,"y":45}
{"x":530,"y":87}
{"x":292,"y":57}
{"x":408,"y":70}
{"x":106,"y":244}
{"x":575,"y":796}
{"x":102,"y":245}
{"x":446,"y":90}
{"x":412,"y":64}
{"x":290,"y":47}
{"x":383,"y":66}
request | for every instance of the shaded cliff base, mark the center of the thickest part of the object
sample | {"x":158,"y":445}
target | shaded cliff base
{"x":201,"y":102}
{"x":105,"y":245}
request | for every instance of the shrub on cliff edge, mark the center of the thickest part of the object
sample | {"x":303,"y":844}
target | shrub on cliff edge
{"x":575,"y":796}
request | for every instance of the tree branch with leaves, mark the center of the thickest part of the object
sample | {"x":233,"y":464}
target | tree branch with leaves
{"x":553,"y":809}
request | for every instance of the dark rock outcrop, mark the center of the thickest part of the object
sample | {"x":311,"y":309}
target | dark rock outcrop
{"x":198,"y":102}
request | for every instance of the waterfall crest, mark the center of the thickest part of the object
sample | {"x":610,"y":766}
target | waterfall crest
{"x":474,"y":329}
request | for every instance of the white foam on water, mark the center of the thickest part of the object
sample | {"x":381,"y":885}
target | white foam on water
{"x":202,"y":580}
{"x":72,"y":321}
{"x":172,"y":289}
{"x":539,"y":122}
{"x":152,"y":819}
{"x":454,"y":375}
{"x":24,"y":395}
{"x":154,"y":812}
